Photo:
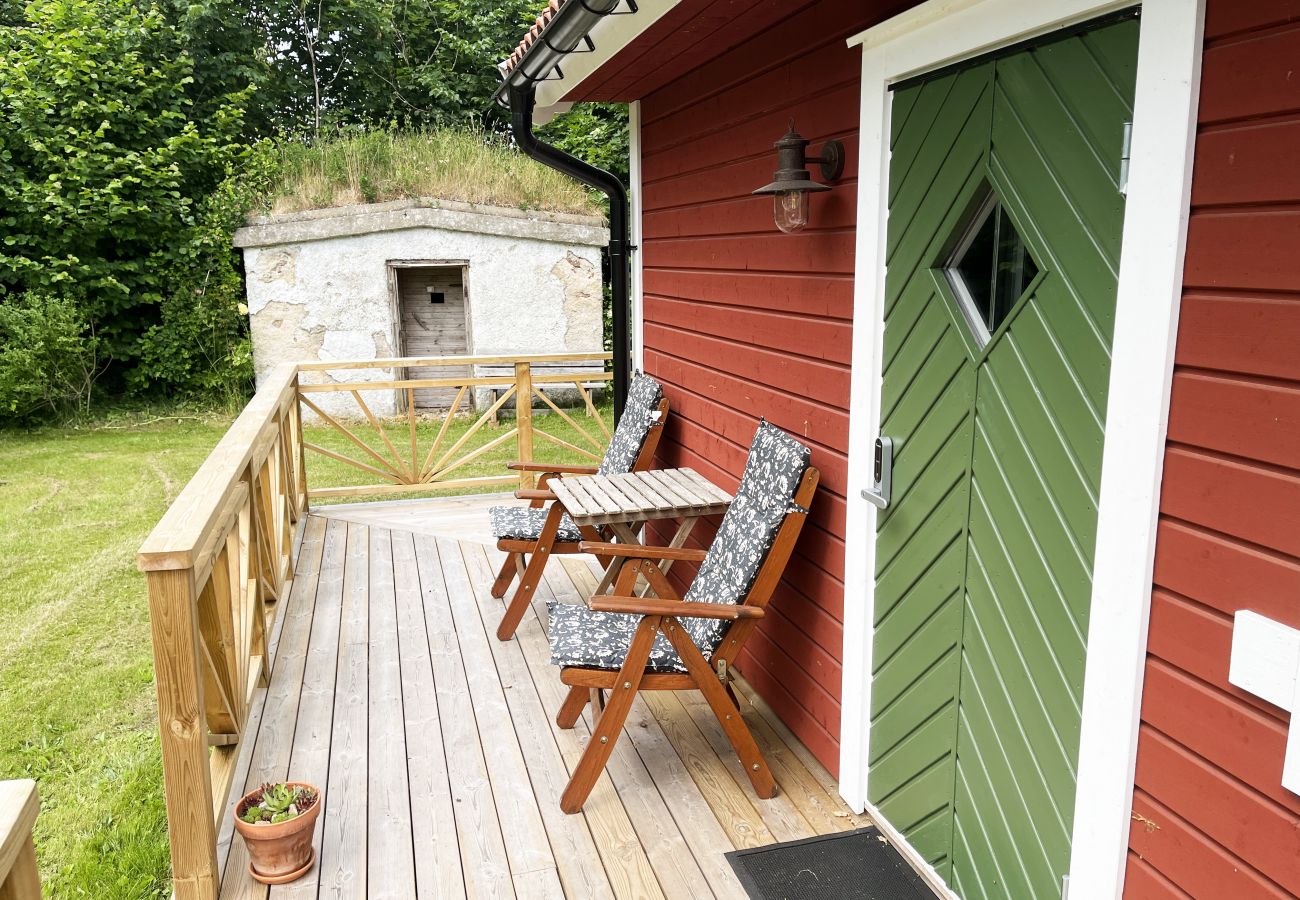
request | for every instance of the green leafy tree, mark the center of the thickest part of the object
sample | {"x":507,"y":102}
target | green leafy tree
{"x":445,"y":54}
{"x":319,"y":64}
{"x":199,"y":345}
{"x":102,"y":170}
{"x":594,"y":132}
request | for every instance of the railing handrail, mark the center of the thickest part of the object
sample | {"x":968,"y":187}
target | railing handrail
{"x":18,"y":809}
{"x":187,"y":524}
{"x":399,"y":361}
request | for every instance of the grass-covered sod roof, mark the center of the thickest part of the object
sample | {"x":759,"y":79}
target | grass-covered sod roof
{"x":372,"y":167}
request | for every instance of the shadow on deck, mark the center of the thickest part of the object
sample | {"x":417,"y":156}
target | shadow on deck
{"x":436,"y":744}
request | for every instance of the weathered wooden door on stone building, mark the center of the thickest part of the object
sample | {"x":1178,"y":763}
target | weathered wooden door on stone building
{"x":434,"y":323}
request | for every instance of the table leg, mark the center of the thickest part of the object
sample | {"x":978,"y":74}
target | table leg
{"x":679,"y":540}
{"x":627,"y":536}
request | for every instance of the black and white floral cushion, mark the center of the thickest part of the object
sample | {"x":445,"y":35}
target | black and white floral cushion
{"x":639,"y":413}
{"x":599,"y":640}
{"x":523,"y":523}
{"x":776,"y":463}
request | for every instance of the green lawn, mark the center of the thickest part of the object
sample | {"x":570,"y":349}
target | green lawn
{"x":76,"y":669}
{"x":76,"y":678}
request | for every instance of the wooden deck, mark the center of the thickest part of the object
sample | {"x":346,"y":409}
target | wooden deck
{"x":437,"y":748}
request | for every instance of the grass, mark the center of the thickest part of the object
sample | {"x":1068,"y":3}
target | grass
{"x":449,"y":164}
{"x":77,"y":708}
{"x":76,"y":669}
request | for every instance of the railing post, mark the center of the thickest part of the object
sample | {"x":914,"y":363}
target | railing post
{"x":19,"y":877}
{"x":524,"y":419}
{"x":187,"y":781}
{"x":300,"y":451}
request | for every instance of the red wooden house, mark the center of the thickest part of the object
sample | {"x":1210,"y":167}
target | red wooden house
{"x":1060,"y":271}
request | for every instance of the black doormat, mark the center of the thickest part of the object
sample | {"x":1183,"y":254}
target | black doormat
{"x":853,"y":864}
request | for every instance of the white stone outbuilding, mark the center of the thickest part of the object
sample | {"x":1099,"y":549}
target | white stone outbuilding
{"x":420,"y":278}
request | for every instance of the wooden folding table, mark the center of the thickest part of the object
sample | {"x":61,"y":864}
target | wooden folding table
{"x":624,"y":503}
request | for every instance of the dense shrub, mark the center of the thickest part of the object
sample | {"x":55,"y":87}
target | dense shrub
{"x":47,"y":359}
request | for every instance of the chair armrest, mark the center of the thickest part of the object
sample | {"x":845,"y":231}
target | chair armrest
{"x":534,"y":495}
{"x":636,"y":551}
{"x":551,"y":467}
{"x":657,"y":606}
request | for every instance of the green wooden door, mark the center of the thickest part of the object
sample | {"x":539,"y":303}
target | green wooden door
{"x":1002,"y":258}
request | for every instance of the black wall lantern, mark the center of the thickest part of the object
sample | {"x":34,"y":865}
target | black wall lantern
{"x":792,"y":183}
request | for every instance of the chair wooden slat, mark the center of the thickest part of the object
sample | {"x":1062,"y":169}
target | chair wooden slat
{"x":652,"y":493}
{"x":687,"y":503}
{"x":622,"y":499}
{"x":630,"y":486}
{"x":594,"y":485}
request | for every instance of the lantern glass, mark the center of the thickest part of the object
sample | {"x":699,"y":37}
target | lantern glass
{"x":790,"y":209}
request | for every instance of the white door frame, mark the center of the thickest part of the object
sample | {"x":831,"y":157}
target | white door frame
{"x":637,"y":211}
{"x":934,"y":34}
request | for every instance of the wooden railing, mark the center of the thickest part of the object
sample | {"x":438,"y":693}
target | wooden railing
{"x":375,"y":450}
{"x":19,"y":878}
{"x":220,"y":559}
{"x":216,"y":565}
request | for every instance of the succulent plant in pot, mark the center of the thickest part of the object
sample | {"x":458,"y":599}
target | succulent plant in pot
{"x":277,"y":822}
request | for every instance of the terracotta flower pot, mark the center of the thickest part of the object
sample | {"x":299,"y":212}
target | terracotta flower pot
{"x":281,"y":852}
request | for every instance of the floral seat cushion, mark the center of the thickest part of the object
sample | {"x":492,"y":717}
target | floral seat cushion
{"x":772,"y":474}
{"x":523,"y":523}
{"x":598,"y":640}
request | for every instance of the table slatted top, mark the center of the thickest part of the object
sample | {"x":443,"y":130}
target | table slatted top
{"x":639,"y":496}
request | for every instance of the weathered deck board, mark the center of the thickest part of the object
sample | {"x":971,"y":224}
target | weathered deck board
{"x":482,"y":850}
{"x":391,"y":856}
{"x":310,"y":752}
{"x":343,"y":858}
{"x":267,"y":757}
{"x":433,"y":818}
{"x":437,"y":744}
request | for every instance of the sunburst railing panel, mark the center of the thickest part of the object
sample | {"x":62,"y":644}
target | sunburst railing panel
{"x":363,"y":417}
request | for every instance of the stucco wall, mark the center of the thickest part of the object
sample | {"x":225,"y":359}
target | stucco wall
{"x":319,"y":289}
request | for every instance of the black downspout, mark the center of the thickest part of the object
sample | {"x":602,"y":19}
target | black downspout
{"x":521,"y":123}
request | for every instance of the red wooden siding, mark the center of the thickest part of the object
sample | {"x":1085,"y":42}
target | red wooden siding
{"x":1210,"y":817}
{"x":742,"y":321}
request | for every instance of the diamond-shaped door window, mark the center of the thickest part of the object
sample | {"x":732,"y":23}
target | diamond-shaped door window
{"x":990,"y":268}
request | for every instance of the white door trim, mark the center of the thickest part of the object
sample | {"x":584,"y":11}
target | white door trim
{"x":634,"y":188}
{"x":1150,"y":286}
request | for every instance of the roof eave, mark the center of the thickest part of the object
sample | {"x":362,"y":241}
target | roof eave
{"x":609,"y":33}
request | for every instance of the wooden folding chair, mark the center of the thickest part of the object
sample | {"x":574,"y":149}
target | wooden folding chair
{"x":537,"y":532}
{"x":623,"y":643}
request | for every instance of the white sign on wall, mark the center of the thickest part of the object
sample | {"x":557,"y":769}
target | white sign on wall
{"x":1266,"y":662}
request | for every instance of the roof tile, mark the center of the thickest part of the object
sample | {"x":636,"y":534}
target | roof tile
{"x":552,"y":7}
